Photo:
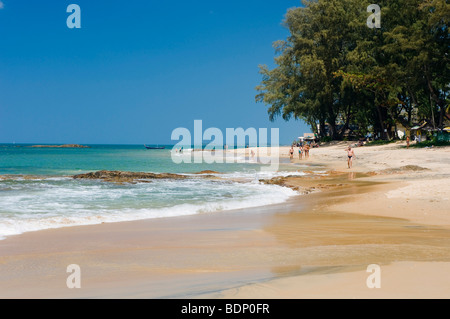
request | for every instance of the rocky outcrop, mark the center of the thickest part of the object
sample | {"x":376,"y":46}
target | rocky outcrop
{"x":127,"y":177}
{"x":61,"y":146}
{"x":207,"y":172}
{"x":280,"y":181}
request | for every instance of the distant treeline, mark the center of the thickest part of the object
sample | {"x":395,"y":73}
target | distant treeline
{"x":334,"y":72}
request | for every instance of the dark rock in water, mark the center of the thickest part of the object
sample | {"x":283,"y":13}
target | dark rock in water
{"x":281,"y":181}
{"x":208,"y":172}
{"x":127,"y":177}
{"x":210,"y":177}
{"x":61,"y":146}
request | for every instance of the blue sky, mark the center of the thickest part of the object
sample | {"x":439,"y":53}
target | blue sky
{"x":136,"y":70}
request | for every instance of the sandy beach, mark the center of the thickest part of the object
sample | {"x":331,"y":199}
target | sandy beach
{"x":391,"y":209}
{"x":145,"y":152}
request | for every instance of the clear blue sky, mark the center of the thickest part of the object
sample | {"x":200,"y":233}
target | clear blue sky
{"x":135,"y":70}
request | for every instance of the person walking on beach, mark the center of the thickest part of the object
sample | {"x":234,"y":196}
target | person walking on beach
{"x":300,"y":152}
{"x":350,"y":154}
{"x":291,"y":152}
{"x":306,"y":150}
{"x":407,"y":142}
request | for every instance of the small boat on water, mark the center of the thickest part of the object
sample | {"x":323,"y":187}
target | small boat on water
{"x":154,"y":147}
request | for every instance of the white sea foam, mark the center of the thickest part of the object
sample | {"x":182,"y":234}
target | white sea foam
{"x":38,"y":205}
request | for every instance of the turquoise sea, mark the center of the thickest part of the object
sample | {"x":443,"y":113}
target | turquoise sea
{"x":37,"y":190}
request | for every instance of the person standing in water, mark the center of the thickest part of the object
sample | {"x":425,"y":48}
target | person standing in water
{"x":306,"y":150}
{"x":350,"y":154}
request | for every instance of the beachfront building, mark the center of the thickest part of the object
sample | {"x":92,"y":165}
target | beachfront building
{"x":426,"y":131}
{"x":307,"y":138}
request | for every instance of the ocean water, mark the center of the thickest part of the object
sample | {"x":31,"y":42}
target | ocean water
{"x":37,"y":190}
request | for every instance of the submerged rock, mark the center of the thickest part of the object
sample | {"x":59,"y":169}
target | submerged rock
{"x":61,"y":146}
{"x":281,"y":181}
{"x":208,"y":172}
{"x":126,"y":177}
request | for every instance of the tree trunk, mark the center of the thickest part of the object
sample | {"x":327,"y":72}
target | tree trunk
{"x":434,"y":96}
{"x":411,"y":108}
{"x":432,"y":113}
{"x":347,"y":122}
{"x":380,"y":119}
{"x":441,"y":117}
{"x":332,"y":118}
{"x":322,"y":128}
{"x":332,"y":127}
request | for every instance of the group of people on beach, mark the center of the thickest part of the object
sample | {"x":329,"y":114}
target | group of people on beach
{"x":302,"y":150}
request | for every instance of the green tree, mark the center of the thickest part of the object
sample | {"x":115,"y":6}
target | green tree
{"x":333,"y":69}
{"x":302,"y":85}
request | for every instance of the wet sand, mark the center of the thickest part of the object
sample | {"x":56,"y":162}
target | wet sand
{"x":316,"y":245}
{"x":402,"y":199}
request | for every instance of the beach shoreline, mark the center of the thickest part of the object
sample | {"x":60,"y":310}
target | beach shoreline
{"x":317,"y":241}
